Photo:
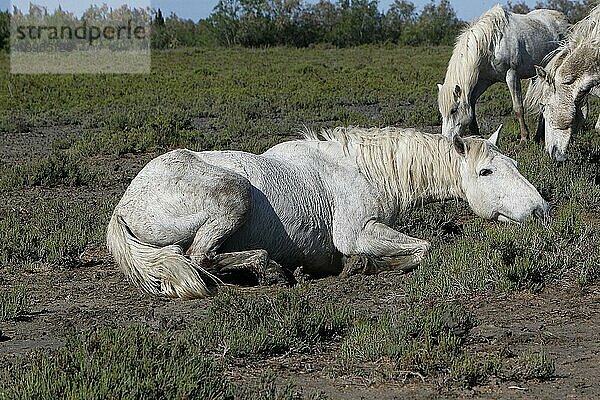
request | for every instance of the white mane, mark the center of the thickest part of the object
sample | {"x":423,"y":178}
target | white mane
{"x":585,"y":34}
{"x":404,"y":163}
{"x":474,"y":45}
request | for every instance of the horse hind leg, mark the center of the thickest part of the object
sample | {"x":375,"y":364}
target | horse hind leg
{"x":516,"y":93}
{"x":252,"y":267}
{"x":245,"y":267}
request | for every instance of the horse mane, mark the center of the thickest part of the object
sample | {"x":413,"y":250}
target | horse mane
{"x":474,"y":45}
{"x":406,"y":164}
{"x":584,"y":34}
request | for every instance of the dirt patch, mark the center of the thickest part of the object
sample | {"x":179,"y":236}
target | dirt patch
{"x":20,"y":146}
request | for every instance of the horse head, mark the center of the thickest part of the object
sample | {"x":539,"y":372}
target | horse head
{"x":456,"y":111}
{"x":565,"y":93}
{"x":492,"y":184}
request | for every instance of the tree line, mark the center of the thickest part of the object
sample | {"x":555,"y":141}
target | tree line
{"x":299,"y":23}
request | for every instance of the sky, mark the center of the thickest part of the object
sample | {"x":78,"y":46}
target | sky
{"x":197,"y":9}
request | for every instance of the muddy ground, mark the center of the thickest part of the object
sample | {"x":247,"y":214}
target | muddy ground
{"x":563,"y":317}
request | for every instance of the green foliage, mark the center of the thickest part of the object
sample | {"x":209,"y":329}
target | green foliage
{"x":132,"y":363}
{"x":424,"y":340}
{"x":573,"y":9}
{"x":269,"y":324}
{"x":344,"y":23}
{"x":54,"y":231}
{"x":437,"y":24}
{"x":208,"y":100}
{"x":472,"y":370}
{"x":49,"y":171}
{"x":138,"y":363}
{"x":267,"y":388}
{"x":4,"y":30}
{"x":533,"y":365}
{"x":14,"y":302}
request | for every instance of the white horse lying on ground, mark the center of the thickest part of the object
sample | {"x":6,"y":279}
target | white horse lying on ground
{"x":498,"y":47}
{"x":189,"y":216}
{"x":559,"y":92}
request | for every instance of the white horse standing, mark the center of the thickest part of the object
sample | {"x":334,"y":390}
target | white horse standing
{"x":305,"y":203}
{"x":561,"y":89}
{"x":498,"y":47}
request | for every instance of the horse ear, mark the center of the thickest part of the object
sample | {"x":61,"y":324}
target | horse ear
{"x":439,"y":85}
{"x":494,"y":138}
{"x":457,"y":92}
{"x":459,"y":145}
{"x":541,"y":72}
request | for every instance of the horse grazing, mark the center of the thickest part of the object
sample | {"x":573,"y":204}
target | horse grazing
{"x":559,"y":92}
{"x":498,"y":47}
{"x":188,"y":217}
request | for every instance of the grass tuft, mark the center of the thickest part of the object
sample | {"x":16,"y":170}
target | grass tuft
{"x":269,"y":324}
{"x":53,"y":170}
{"x":424,"y":341}
{"x":14,"y":302}
{"x":533,"y":365}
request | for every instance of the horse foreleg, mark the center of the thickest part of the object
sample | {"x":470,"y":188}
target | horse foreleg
{"x":541,"y":129}
{"x":516,"y":93}
{"x":474,"y":126}
{"x":389,"y":249}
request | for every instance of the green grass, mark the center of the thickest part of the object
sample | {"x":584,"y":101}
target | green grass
{"x":53,"y":170}
{"x":136,"y":362}
{"x":250,"y":99}
{"x":14,"y":302}
{"x":52,"y":231}
{"x":531,"y":364}
{"x":131,"y":363}
{"x":269,"y":324}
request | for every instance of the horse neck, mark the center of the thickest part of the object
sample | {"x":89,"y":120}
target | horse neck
{"x":427,"y":170}
{"x":463,"y":72}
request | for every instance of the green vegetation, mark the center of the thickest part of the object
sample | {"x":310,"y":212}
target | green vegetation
{"x":420,"y":340}
{"x":533,"y":365}
{"x":269,"y":324}
{"x":58,"y":205}
{"x":135,"y":362}
{"x":301,"y":23}
{"x":49,"y":171}
{"x":53,"y":232}
{"x":14,"y":302}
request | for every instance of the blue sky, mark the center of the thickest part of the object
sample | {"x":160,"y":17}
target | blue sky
{"x":196,"y":9}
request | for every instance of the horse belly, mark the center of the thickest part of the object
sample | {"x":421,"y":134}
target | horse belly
{"x":293,"y":230}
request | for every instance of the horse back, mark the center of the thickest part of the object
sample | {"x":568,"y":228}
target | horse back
{"x":528,"y":39}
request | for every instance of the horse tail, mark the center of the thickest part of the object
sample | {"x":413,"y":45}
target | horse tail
{"x":157,"y":270}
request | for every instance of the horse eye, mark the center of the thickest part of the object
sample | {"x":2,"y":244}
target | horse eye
{"x":485,"y":172}
{"x":453,"y":110}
